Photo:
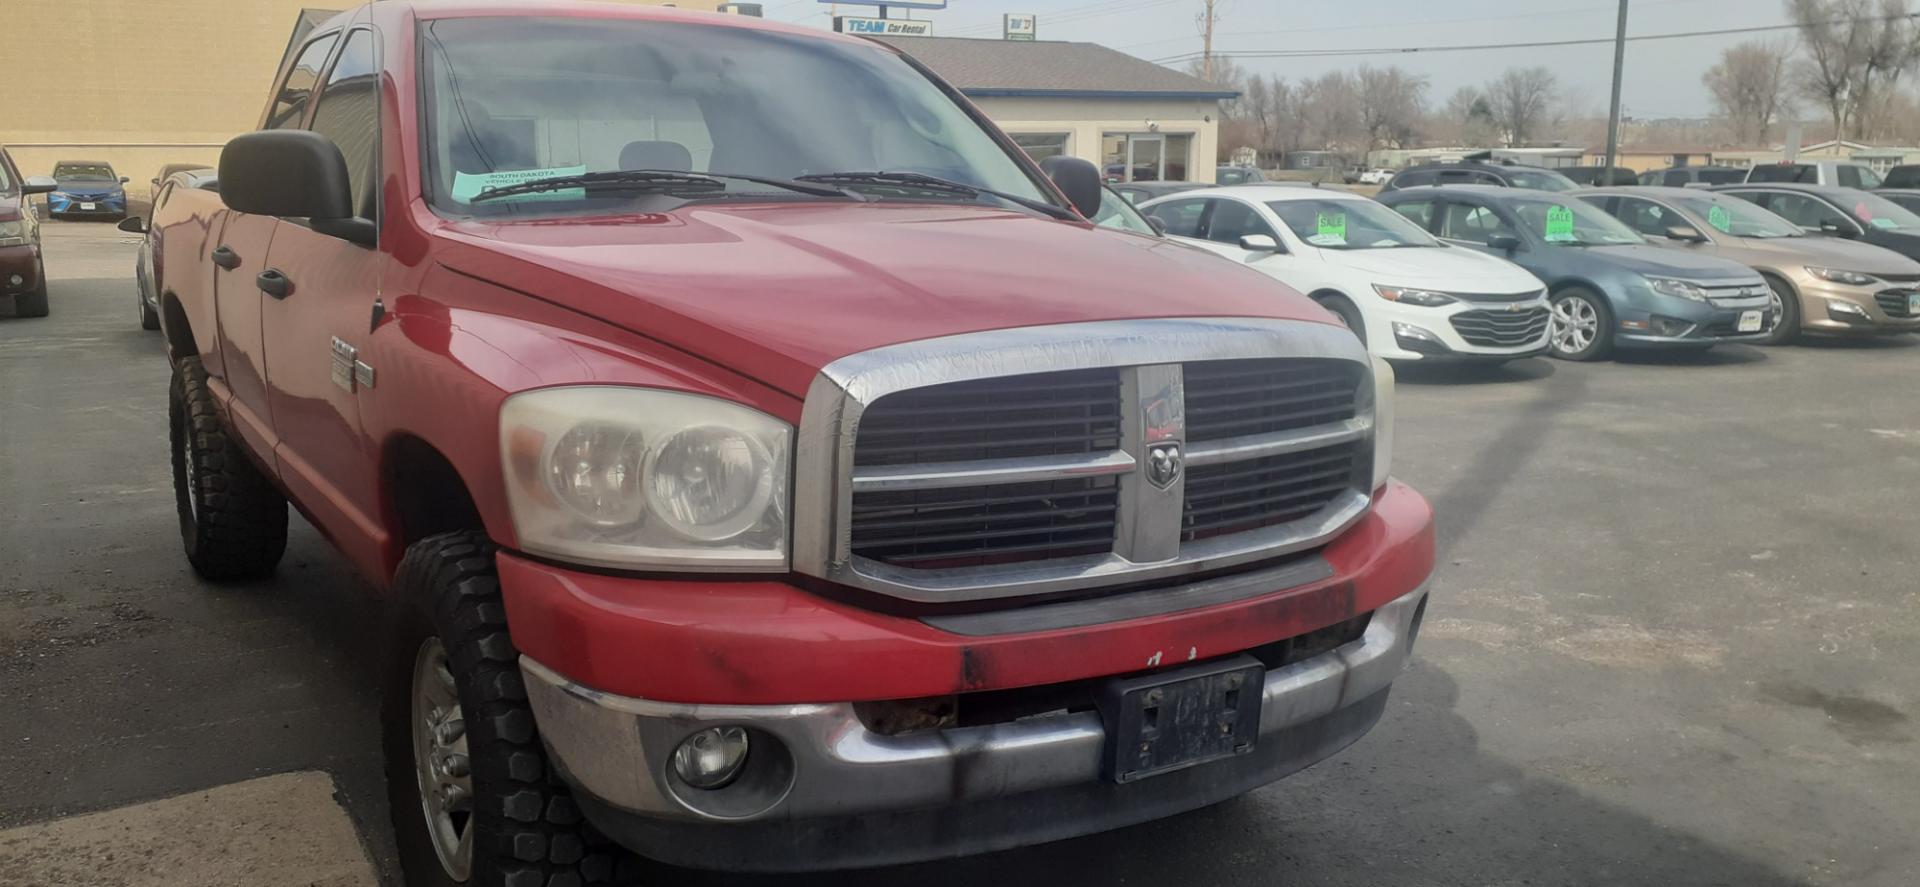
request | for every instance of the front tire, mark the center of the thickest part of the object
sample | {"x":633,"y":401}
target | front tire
{"x":149,"y":318}
{"x":33,"y":303}
{"x":233,"y":522}
{"x":1581,"y":327}
{"x":1347,"y":313}
{"x":1787,"y":328}
{"x":473,"y":797}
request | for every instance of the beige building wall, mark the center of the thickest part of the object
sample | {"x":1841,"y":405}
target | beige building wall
{"x":1087,"y":120}
{"x":141,"y":83}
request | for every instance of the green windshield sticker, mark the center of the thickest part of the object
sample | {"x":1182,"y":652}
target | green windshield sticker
{"x":1720,"y":219}
{"x":1884,"y":223}
{"x":1330,"y":229}
{"x":1559,"y":223}
{"x":467,"y":185}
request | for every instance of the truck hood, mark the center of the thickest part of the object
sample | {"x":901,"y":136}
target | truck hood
{"x":778,"y":291}
{"x":1441,"y":268}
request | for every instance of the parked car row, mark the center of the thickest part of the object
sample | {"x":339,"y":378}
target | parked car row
{"x":1577,"y":273}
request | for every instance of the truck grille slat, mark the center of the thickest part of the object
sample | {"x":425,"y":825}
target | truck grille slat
{"x":1235,"y":497}
{"x":1230,"y":398}
{"x":1076,"y":411}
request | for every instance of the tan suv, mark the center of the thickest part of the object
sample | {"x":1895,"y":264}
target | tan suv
{"x":1821,"y":284}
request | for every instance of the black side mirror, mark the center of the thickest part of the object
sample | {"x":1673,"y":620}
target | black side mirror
{"x":123,"y":180}
{"x":1686,"y":233}
{"x":39,"y":185}
{"x":133,"y":225}
{"x":1076,"y":178}
{"x":1158,"y":226}
{"x":1503,"y":242}
{"x":285,"y":172}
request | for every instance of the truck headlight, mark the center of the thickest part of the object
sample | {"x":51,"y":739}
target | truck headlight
{"x":13,"y":233}
{"x":1412,"y":296}
{"x":638,"y":478}
{"x":1669,"y":286}
{"x":1834,"y":275}
{"x":1382,"y":421}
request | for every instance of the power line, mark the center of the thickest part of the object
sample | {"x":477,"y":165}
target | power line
{"x":1408,"y":50}
{"x":1422,"y":22}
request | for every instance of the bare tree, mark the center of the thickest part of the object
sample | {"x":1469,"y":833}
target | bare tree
{"x":1392,"y":102}
{"x":1854,"y":48}
{"x":1329,"y":111}
{"x":1520,"y":100}
{"x":1749,"y":87}
{"x":1226,"y":73}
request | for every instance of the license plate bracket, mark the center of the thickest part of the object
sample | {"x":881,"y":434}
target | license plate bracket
{"x":1172,"y":720}
{"x":1913,"y":304}
{"x":1751,"y":321}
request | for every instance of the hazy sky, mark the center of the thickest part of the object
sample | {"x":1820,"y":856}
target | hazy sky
{"x":1662,"y":76}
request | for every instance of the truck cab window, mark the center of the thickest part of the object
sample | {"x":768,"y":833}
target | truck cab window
{"x":349,"y":114}
{"x":291,"y":103}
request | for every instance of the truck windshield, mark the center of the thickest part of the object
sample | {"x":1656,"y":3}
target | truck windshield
{"x":512,"y":100}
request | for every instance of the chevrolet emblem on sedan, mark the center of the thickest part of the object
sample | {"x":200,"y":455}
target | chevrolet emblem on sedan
{"x":1163,"y":464}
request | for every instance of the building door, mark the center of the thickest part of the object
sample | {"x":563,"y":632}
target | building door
{"x":1147,"y":158}
{"x":1140,"y":157}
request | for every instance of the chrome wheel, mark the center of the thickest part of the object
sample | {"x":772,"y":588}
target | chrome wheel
{"x":1574,"y":326}
{"x":1776,"y":308}
{"x":440,"y":761}
{"x":189,"y":466}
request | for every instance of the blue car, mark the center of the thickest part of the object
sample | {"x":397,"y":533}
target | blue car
{"x":1609,"y":288}
{"x":87,"y":188}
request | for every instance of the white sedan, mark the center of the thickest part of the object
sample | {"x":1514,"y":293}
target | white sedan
{"x":1375,"y":176}
{"x":1407,"y":295}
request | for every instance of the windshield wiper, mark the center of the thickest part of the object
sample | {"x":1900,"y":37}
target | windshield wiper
{"x":934,"y":183}
{"x":655,"y":180}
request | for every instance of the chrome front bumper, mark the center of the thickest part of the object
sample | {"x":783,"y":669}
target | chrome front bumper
{"x":846,"y":796}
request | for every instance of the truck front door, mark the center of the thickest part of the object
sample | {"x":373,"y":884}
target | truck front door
{"x":316,"y":315}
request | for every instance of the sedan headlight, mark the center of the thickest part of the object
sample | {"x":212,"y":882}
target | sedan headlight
{"x":1668,"y":286}
{"x":13,"y":233}
{"x":1850,"y":278}
{"x":1382,"y":420}
{"x":1412,"y":296}
{"x":639,"y":478}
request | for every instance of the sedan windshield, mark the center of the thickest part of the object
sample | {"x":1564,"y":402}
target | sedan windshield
{"x":1872,"y":209}
{"x":1739,"y":218}
{"x":1573,"y":223}
{"x":512,"y":101}
{"x":83,"y":172}
{"x":1349,"y":224}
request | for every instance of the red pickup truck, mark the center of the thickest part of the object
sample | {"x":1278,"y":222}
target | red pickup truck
{"x":770,"y":467}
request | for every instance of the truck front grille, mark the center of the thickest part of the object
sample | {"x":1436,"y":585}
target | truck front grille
{"x":1159,"y":448}
{"x":1501,"y":329}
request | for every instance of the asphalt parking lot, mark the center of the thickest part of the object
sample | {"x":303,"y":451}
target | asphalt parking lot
{"x":1673,"y":643}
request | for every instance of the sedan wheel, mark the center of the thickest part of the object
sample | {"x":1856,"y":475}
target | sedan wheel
{"x":1581,"y":326}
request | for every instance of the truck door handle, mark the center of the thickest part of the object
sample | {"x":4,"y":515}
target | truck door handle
{"x":274,"y":283}
{"x":226,"y":258}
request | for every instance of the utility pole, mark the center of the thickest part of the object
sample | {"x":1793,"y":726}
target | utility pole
{"x":1206,"y":37}
{"x":1613,"y":114}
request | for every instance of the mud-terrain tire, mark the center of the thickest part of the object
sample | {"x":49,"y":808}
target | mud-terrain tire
{"x":233,"y":521}
{"x":520,"y":822}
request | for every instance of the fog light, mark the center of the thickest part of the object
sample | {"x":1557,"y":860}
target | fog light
{"x":1669,"y":326}
{"x":1847,"y":311}
{"x":711,"y":758}
{"x":16,"y":280}
{"x":1417,"y":339}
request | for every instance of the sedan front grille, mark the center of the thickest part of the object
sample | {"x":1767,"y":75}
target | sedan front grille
{"x":1895,"y":303}
{"x":1501,"y":329}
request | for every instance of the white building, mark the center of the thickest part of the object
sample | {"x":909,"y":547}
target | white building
{"x":1133,"y":118}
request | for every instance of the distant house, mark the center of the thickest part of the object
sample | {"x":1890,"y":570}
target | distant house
{"x":1137,"y":120}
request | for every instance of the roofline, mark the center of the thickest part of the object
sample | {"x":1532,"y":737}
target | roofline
{"x":1013,"y":93}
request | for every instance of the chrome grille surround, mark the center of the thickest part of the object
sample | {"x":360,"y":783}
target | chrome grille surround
{"x":1147,"y":545}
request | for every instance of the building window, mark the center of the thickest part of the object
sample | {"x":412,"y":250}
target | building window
{"x":1042,"y":145}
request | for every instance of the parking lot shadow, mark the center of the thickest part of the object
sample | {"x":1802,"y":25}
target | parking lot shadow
{"x":1527,"y":370}
{"x":1417,"y":802}
{"x":1718,"y":355}
{"x":1859,"y":343}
